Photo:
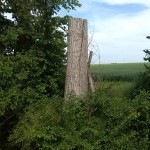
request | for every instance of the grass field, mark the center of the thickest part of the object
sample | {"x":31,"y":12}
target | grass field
{"x":115,"y":89}
{"x":117,"y":71}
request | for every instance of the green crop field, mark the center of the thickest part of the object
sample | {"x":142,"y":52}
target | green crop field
{"x":117,"y":71}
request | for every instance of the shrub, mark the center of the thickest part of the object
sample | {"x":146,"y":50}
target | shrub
{"x":95,"y":122}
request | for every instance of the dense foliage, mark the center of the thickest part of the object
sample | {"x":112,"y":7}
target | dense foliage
{"x":95,"y":122}
{"x":32,"y":56}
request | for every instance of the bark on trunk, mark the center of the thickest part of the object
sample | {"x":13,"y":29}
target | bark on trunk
{"x":77,"y":68}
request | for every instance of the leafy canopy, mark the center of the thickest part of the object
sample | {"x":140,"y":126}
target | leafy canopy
{"x":32,"y":55}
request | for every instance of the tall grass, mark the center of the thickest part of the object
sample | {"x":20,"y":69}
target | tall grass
{"x":117,"y":72}
{"x":115,"y":89}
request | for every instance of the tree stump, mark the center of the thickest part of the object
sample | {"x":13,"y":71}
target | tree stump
{"x":77,"y":57}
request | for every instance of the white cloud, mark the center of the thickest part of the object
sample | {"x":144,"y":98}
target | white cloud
{"x":122,"y":38}
{"x":121,"y":2}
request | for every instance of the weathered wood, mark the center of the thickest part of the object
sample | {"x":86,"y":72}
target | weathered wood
{"x":77,"y":57}
{"x":90,"y":58}
{"x":90,"y":80}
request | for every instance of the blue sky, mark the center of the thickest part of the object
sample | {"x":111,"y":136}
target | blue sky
{"x":117,"y":28}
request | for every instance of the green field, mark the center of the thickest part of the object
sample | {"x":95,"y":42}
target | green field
{"x":117,"y":71}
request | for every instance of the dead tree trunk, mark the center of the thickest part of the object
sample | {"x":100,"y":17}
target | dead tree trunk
{"x":90,"y":80}
{"x":77,"y":68}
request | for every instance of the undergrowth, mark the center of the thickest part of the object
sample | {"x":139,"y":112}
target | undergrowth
{"x":95,"y":122}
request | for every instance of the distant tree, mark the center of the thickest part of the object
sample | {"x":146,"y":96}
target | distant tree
{"x":148,"y":37}
{"x":147,"y":58}
{"x":143,"y":82}
{"x":147,"y":67}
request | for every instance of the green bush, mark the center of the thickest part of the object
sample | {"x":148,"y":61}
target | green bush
{"x":94,"y":122}
{"x":143,"y":81}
